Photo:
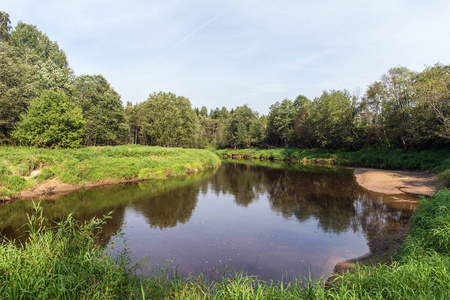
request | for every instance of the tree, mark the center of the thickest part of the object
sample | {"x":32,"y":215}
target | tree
{"x":397,"y":97}
{"x":52,"y":121}
{"x":302,"y":132}
{"x":370,"y":115}
{"x":5,"y":26}
{"x":169,"y":120}
{"x":16,"y":89}
{"x":242,"y":128}
{"x":431,"y":112}
{"x":102,"y":110}
{"x":331,"y":119}
{"x":29,"y":64}
{"x":280,"y":123}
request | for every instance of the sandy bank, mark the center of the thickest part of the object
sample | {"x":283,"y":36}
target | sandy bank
{"x":397,"y":182}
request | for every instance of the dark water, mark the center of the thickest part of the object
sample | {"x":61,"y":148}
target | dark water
{"x":276,"y":222}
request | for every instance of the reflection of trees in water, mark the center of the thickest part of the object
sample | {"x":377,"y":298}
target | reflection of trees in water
{"x":334,"y":199}
{"x":305,"y":195}
{"x":180,"y":196}
{"x":241,"y":181}
{"x":377,"y":216}
{"x":169,"y":209}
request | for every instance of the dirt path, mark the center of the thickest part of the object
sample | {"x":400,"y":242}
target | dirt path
{"x":396,"y":182}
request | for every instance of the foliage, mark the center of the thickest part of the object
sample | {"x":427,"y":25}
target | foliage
{"x":242,"y":128}
{"x":403,"y":109}
{"x":29,"y":64}
{"x":331,"y":119}
{"x":169,"y":121}
{"x":280,"y":123}
{"x":102,"y":111}
{"x":51,"y":121}
{"x":5,"y":26}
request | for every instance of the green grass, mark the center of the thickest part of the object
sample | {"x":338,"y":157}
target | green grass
{"x":62,"y":261}
{"x":93,"y":164}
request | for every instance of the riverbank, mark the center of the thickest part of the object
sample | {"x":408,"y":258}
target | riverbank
{"x":32,"y":172}
{"x":433,"y":164}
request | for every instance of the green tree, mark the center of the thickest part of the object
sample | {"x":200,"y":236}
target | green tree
{"x":31,"y":40}
{"x":302,"y":132}
{"x":242,"y":128}
{"x":397,"y":97}
{"x":52,"y":121}
{"x":169,"y":120}
{"x":5,"y":26}
{"x":280,"y":123}
{"x":102,"y":110}
{"x":16,"y":88}
{"x":370,"y":119}
{"x":331,"y":119}
{"x":29,"y":64}
{"x":431,"y":110}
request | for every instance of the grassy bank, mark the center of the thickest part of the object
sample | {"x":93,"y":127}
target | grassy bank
{"x":92,"y":164}
{"x":66,"y":263}
{"x":434,"y":160}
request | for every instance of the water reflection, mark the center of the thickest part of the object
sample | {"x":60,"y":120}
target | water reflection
{"x":269,"y":221}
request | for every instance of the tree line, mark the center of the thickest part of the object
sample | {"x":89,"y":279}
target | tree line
{"x":43,"y":103}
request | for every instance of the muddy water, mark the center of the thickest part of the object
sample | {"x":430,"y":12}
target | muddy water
{"x":271,"y":220}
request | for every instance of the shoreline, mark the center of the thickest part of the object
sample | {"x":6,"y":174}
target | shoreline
{"x":383,"y":249}
{"x":397,"y":182}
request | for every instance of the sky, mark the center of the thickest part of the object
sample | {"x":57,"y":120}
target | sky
{"x":230,"y":53}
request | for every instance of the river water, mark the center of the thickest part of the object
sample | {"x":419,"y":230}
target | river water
{"x":274,"y":220}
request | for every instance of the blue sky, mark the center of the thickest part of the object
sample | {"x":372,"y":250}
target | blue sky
{"x":229,"y":53}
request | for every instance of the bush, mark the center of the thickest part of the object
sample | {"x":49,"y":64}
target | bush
{"x":52,"y":121}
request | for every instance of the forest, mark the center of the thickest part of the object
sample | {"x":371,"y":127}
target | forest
{"x":43,"y":103}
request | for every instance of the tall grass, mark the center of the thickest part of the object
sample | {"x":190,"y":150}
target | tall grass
{"x":93,"y":164}
{"x":63,"y":262}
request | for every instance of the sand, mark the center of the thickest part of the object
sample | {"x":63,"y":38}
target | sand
{"x":397,"y":182}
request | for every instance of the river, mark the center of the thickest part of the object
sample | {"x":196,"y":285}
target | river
{"x":274,"y":220}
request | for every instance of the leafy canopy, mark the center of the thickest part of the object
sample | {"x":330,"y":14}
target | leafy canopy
{"x":52,"y":121}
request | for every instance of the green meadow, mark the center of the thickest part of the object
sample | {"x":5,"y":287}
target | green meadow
{"x":85,"y":165}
